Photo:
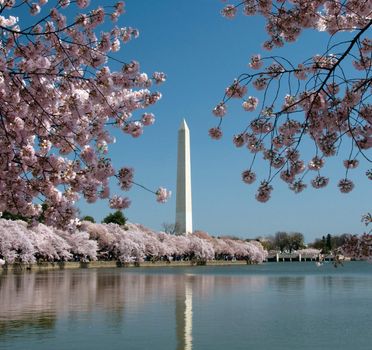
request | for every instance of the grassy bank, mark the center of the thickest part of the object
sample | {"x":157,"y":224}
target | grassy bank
{"x":111,"y":264}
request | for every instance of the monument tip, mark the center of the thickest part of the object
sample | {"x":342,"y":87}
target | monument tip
{"x":183,"y":125}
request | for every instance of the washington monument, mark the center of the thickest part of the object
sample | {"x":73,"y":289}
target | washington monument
{"x":183,"y":200}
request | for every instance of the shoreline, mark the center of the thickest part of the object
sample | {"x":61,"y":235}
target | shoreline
{"x":42,"y":266}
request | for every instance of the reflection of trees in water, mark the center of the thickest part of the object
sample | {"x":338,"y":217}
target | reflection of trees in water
{"x":336,"y":283}
{"x":287,"y":283}
{"x":38,"y":299}
{"x":78,"y":290}
{"x":39,"y":323}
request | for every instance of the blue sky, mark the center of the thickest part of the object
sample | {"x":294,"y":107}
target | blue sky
{"x":201,"y":53}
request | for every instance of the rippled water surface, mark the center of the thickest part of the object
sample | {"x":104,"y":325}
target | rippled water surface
{"x":270,"y":306}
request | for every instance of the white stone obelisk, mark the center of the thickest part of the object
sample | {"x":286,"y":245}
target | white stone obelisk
{"x":183,"y":200}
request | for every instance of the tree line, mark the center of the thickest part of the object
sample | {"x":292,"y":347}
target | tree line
{"x":116,"y":217}
{"x":287,"y":242}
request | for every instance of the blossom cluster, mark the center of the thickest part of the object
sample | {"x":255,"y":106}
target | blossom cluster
{"x":58,"y":99}
{"x":358,"y":247}
{"x":325,"y":101}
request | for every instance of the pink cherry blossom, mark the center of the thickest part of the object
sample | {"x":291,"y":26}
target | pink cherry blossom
{"x":316,"y":163}
{"x":135,"y":129}
{"x":248,"y":176}
{"x":287,"y":176}
{"x":219,"y":110}
{"x":320,"y":181}
{"x":256,"y":62}
{"x":250,"y":104}
{"x":351,"y":163}
{"x":34,"y":9}
{"x":125,"y":177}
{"x":148,"y":119}
{"x":260,"y":83}
{"x":236,"y":90}
{"x":215,"y":133}
{"x":120,"y":6}
{"x":345,"y":185}
{"x":119,"y":203}
{"x":239,"y":140}
{"x":297,"y":186}
{"x":229,"y":11}
{"x":159,"y":77}
{"x":162,"y":194}
{"x":264,"y":192}
{"x":82,"y":3}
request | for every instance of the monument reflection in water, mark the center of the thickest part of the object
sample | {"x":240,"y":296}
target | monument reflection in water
{"x":184,"y":315}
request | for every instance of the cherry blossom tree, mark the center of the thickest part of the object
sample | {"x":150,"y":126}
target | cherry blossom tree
{"x":359,"y":247}
{"x":59,"y":100}
{"x":202,"y":249}
{"x":324,"y":101}
{"x":82,"y":248}
{"x":15,"y":243}
{"x":256,"y":252}
{"x":50,"y":246}
{"x":20,"y":243}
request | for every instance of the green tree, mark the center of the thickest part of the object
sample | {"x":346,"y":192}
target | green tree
{"x":41,"y":218}
{"x":281,"y":241}
{"x":88,"y":218}
{"x":328,"y":243}
{"x":267,"y":242}
{"x":9,"y":216}
{"x":115,"y":218}
{"x":317,"y":244}
{"x":295,"y":241}
{"x":338,"y":241}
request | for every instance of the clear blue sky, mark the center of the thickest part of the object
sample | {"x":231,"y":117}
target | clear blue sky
{"x":201,"y":53}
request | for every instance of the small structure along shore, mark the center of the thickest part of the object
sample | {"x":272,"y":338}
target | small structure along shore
{"x":298,"y":256}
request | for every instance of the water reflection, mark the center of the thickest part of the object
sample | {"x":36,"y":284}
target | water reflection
{"x":286,"y":284}
{"x":180,"y":309}
{"x":35,"y":301}
{"x":184,"y":314}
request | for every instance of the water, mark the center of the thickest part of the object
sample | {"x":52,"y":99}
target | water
{"x":270,"y":306}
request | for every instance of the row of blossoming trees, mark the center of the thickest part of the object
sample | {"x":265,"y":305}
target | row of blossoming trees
{"x":134,"y":243}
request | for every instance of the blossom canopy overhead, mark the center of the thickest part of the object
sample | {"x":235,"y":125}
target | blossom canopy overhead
{"x":324,"y":101}
{"x":58,"y":98}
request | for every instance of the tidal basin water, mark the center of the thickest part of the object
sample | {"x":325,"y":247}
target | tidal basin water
{"x":269,"y":306}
